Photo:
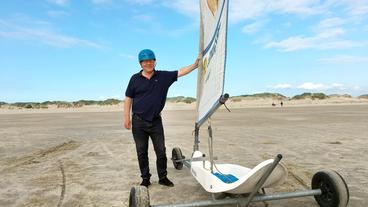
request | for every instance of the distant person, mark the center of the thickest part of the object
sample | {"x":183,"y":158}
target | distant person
{"x":146,"y":96}
{"x":281,"y":103}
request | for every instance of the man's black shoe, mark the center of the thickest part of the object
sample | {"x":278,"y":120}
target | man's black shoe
{"x":165,"y":181}
{"x":145,"y":182}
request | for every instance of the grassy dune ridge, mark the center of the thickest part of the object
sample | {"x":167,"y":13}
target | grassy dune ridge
{"x":177,"y":99}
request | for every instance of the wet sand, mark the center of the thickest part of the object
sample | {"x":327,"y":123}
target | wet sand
{"x":88,"y":159}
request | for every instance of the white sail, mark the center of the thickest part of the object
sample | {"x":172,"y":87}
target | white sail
{"x":211,"y":71}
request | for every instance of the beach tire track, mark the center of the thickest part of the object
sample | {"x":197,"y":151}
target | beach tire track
{"x":300,"y":180}
{"x":42,"y":155}
{"x":63,"y":185}
{"x":108,"y":151}
{"x":294,"y":171}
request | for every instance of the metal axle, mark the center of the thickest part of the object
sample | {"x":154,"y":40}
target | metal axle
{"x":235,"y":201}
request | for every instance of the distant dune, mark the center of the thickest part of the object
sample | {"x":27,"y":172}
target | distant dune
{"x":59,"y":104}
{"x":183,"y":99}
{"x":340,"y":96}
{"x":266,"y":95}
{"x":188,"y":103}
{"x":365,"y":96}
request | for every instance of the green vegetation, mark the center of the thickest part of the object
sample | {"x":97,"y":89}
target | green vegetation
{"x":364,"y":96}
{"x":340,"y":95}
{"x":30,"y":105}
{"x":177,"y":99}
{"x":84,"y":103}
{"x":110,"y":101}
{"x":63,"y":104}
{"x":312,"y":96}
{"x":235,"y":99}
{"x":183,"y":99}
{"x":60,"y":104}
{"x":265,"y":95}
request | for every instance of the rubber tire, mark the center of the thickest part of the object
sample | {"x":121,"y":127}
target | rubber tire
{"x":220,"y":196}
{"x":335,"y":192}
{"x":177,"y":155}
{"x":139,"y":197}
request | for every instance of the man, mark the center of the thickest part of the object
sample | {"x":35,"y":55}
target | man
{"x":145,"y":96}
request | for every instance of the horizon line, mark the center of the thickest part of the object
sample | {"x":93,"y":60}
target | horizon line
{"x":112,"y":98}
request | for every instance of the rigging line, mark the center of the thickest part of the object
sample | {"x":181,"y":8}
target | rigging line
{"x":210,"y":146}
{"x":227,"y":107}
{"x":226,"y":176}
{"x":210,"y":143}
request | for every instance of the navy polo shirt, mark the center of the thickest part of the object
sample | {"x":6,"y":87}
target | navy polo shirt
{"x":149,"y":95}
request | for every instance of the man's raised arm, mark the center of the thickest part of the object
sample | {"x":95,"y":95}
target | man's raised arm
{"x":185,"y":70}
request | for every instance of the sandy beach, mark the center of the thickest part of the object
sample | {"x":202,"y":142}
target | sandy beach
{"x":84,"y":157}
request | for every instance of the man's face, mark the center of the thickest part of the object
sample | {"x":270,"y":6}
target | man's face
{"x":148,"y":65}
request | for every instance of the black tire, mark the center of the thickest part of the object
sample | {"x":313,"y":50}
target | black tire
{"x":335,"y":192}
{"x":139,"y":197}
{"x":177,"y":155}
{"x":220,"y":196}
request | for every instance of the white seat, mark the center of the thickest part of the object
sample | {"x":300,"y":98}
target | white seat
{"x":246,"y":178}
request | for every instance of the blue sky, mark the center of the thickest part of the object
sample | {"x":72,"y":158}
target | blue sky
{"x":71,"y":50}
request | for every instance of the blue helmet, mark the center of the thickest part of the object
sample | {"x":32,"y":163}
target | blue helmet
{"x":146,"y":54}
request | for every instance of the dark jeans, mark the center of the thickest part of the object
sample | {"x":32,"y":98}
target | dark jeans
{"x":142,"y":130}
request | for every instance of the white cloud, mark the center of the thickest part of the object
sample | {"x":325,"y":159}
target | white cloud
{"x":341,"y":44}
{"x":312,"y":86}
{"x":154,"y":24}
{"x":345,"y":59}
{"x":282,"y":86}
{"x":43,"y":35}
{"x":340,"y":20}
{"x":330,"y":38}
{"x":241,"y":10}
{"x":98,"y":2}
{"x":138,"y":2}
{"x":301,"y":7}
{"x":330,"y":33}
{"x":322,"y":86}
{"x":127,"y":56}
{"x":360,"y":10}
{"x":336,"y":86}
{"x":155,"y":27}
{"x":59,"y":2}
{"x":356,"y":7}
{"x":291,"y":44}
{"x":56,"y":13}
{"x":357,"y":88}
{"x":254,"y":27}
{"x":143,"y":17}
{"x":189,"y":8}
{"x":331,"y":22}
{"x":141,"y":2}
{"x":249,"y":9}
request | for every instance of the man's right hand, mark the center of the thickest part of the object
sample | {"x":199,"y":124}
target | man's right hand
{"x":127,"y":123}
{"x":127,"y":107}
